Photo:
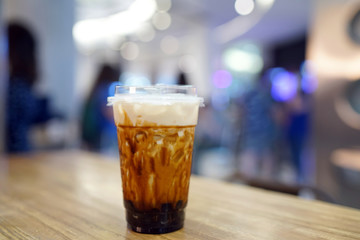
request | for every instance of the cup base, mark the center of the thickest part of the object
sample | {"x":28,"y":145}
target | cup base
{"x":155,"y":222}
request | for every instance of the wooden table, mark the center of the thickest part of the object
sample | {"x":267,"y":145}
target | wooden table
{"x":77,"y":195}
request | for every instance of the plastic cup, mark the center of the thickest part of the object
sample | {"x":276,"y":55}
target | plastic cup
{"x":155,"y":128}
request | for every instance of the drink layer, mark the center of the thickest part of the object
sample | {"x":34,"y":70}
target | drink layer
{"x":156,"y":110}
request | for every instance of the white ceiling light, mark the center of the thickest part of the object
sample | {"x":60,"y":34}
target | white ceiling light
{"x":265,"y":3}
{"x":163,"y":5}
{"x":161,"y":20}
{"x":83,"y":32}
{"x":244,"y":7}
{"x":169,"y":45}
{"x":141,"y":10}
{"x":130,"y":51}
{"x":245,"y":59}
{"x":94,"y":31}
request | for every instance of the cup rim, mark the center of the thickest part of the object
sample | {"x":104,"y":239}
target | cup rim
{"x":171,"y":92}
{"x":154,"y":88}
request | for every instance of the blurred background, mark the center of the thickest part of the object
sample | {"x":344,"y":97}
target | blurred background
{"x":280,"y":81}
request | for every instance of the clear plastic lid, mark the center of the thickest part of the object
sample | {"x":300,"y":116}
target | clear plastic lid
{"x":157,"y":94}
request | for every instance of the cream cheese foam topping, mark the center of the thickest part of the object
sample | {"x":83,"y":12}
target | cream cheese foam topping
{"x":155,"y":109}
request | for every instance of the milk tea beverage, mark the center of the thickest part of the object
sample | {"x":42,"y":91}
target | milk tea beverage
{"x":155,"y":128}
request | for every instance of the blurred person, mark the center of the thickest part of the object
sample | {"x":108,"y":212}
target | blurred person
{"x":258,"y":131}
{"x":97,"y":124}
{"x":23,"y":107}
{"x":298,"y":131}
{"x":182,"y":79}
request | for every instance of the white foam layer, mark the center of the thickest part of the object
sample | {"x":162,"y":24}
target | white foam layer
{"x":161,"y":110}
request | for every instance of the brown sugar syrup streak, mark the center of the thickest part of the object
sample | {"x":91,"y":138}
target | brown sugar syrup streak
{"x":155,"y":164}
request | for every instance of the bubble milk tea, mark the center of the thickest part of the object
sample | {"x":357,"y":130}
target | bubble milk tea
{"x":155,"y":128}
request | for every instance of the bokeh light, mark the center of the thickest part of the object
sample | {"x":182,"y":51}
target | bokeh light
{"x":222,"y":79}
{"x":84,"y":36}
{"x":141,"y":10}
{"x":284,"y":85}
{"x":265,"y":3}
{"x":163,"y":5}
{"x":241,"y":60}
{"x":161,"y":20}
{"x":244,"y":7}
{"x":146,"y":33}
{"x":130,"y":51}
{"x":90,"y":33}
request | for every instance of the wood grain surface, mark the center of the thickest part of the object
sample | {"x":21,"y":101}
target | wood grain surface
{"x":77,"y":195}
